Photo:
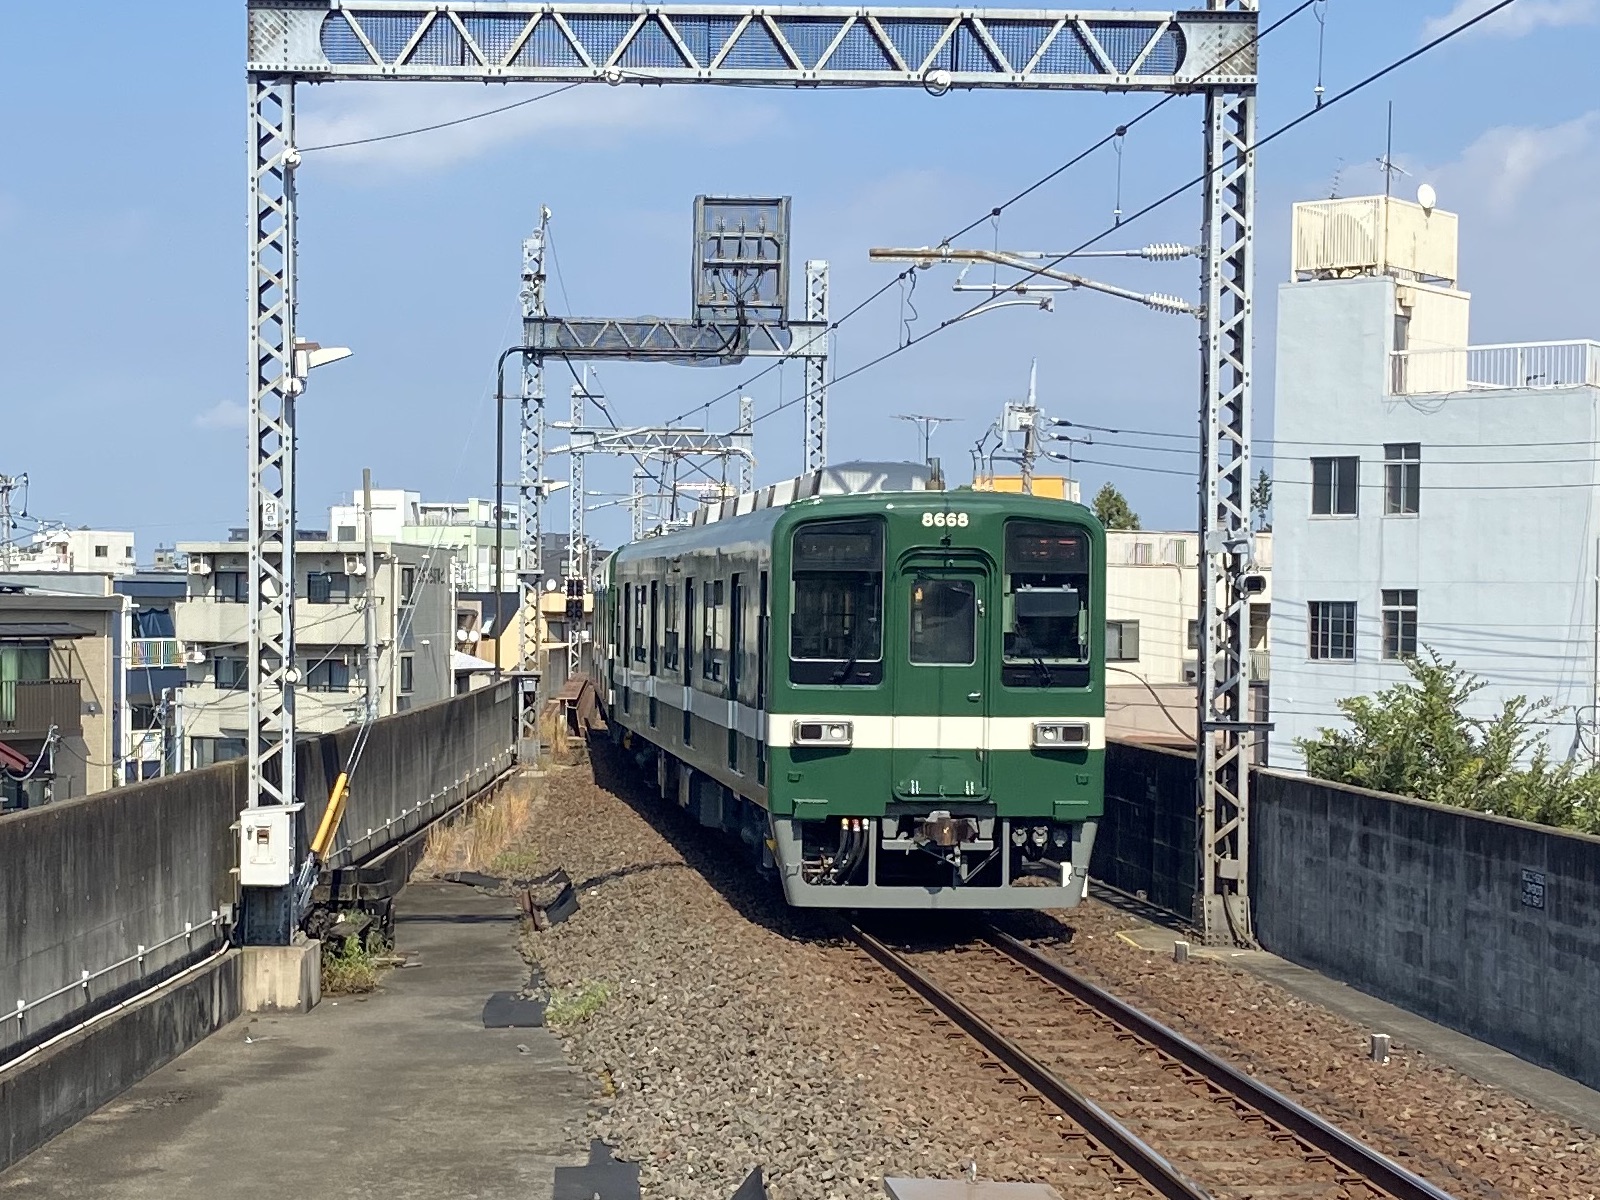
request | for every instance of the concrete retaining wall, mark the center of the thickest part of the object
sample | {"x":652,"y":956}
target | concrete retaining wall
{"x":107,"y":884}
{"x":65,"y":1082}
{"x":1489,"y":926}
{"x":1146,"y":842}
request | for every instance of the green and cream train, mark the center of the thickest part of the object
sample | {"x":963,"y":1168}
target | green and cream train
{"x":893,"y":694}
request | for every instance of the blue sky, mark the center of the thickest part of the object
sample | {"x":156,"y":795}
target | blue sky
{"x":122,"y":219}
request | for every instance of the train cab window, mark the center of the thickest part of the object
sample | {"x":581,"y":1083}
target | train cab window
{"x":836,"y":626}
{"x":944,"y":622}
{"x":1046,"y":641}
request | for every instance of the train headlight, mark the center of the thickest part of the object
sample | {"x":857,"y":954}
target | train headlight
{"x":823,"y":733}
{"x":1041,"y":835}
{"x":1065,"y":735}
{"x":1019,"y":836}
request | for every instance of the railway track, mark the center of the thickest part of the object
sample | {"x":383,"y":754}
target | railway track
{"x":1187,"y":1124}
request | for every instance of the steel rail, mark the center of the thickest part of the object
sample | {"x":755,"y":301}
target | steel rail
{"x":1116,"y":1137}
{"x":1338,"y":1145}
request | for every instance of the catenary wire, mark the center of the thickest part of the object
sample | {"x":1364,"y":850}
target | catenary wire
{"x":405,"y":133}
{"x":1119,"y":131}
{"x":1295,"y":122}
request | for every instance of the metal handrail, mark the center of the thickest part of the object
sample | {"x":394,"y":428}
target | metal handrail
{"x":19,"y":1013}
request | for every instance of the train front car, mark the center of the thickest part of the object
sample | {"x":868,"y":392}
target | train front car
{"x":936,"y":715}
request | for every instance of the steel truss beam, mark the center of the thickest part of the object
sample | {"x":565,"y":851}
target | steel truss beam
{"x":1224,"y":731}
{"x":654,"y":440}
{"x":935,"y":48}
{"x":656,"y":339}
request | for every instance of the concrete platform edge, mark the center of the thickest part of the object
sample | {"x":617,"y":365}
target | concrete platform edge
{"x":49,"y":1093}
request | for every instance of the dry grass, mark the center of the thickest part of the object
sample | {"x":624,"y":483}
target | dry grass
{"x":486,"y":836}
{"x":572,"y":1006}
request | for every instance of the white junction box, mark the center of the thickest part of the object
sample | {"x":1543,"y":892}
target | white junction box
{"x":266,"y":845}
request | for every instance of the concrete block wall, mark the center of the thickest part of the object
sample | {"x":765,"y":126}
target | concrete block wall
{"x":1146,"y":842}
{"x":85,"y":883}
{"x":1489,"y":926}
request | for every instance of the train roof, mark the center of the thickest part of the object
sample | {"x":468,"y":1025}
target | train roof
{"x":753,"y":516}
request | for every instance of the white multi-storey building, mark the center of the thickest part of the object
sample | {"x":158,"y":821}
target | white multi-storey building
{"x":1427,"y":492}
{"x":415,"y":634}
{"x":101,"y":551}
{"x":1152,"y":632}
{"x":463,"y":530}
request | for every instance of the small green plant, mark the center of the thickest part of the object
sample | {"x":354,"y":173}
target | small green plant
{"x":571,"y":1006}
{"x":350,"y":966}
{"x":517,"y":862}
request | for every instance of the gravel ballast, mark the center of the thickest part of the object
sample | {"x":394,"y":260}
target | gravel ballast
{"x":725,"y":1031}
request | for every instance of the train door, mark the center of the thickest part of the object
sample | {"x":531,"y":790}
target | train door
{"x":941,"y":695}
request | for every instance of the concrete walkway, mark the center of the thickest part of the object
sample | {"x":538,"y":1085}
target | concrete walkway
{"x":402,"y":1095}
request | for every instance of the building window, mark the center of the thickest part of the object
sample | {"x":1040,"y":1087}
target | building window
{"x":408,"y":584}
{"x":232,"y":674}
{"x":1142,"y":554}
{"x":1333,"y":486}
{"x":1402,"y":478}
{"x":1399,"y":623}
{"x":328,"y":587}
{"x":346,"y":533}
{"x":127,"y":552}
{"x":231,"y":587}
{"x":331,"y":675}
{"x":408,"y":674}
{"x":1194,"y":635}
{"x":1122,"y":641}
{"x":102,"y":552}
{"x":1333,"y":630}
{"x":204,"y":751}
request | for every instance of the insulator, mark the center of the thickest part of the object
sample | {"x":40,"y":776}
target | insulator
{"x":1162,"y":302}
{"x":1166,"y":251}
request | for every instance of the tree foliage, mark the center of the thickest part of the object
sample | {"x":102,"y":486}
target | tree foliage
{"x":1417,"y":739}
{"x":1261,"y":502}
{"x":1112,"y":507}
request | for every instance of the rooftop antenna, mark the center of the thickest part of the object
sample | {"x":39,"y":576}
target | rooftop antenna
{"x":1390,"y":169}
{"x":926,"y":425}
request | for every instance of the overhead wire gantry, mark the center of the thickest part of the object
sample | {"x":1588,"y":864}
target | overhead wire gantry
{"x":1211,"y":51}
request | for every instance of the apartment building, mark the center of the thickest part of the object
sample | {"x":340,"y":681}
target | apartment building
{"x":1428,"y":492}
{"x":61,"y":705}
{"x":412,"y":597}
{"x":103,"y":551}
{"x":1153,"y":632}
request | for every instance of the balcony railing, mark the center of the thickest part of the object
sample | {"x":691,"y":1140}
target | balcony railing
{"x":150,"y":653}
{"x":1494,"y":368}
{"x":30,"y":708}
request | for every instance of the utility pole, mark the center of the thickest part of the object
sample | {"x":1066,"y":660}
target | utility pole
{"x":925,"y":430}
{"x":369,"y":606}
{"x":8,"y":519}
{"x":1029,"y":420}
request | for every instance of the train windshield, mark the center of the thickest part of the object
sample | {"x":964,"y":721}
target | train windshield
{"x":1046,"y":604}
{"x":836,"y":627}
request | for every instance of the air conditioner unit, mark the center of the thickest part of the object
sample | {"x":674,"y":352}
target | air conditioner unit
{"x":199,"y":566}
{"x":194,"y":657}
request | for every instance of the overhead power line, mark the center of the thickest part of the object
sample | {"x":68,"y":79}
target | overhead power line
{"x":405,"y":133}
{"x":1322,"y":106}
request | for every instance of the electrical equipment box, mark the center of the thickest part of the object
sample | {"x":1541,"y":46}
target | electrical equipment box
{"x":266,"y":845}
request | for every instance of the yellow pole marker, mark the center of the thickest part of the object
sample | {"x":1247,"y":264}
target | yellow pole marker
{"x":331,"y":817}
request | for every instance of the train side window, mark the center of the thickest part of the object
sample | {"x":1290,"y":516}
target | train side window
{"x":688,"y":630}
{"x":627,"y":601}
{"x":1047,"y":617}
{"x":836,"y":619}
{"x":669,"y":648}
{"x":638,"y":623}
{"x":713,"y":629}
{"x":762,"y":632}
{"x":655,"y":627}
